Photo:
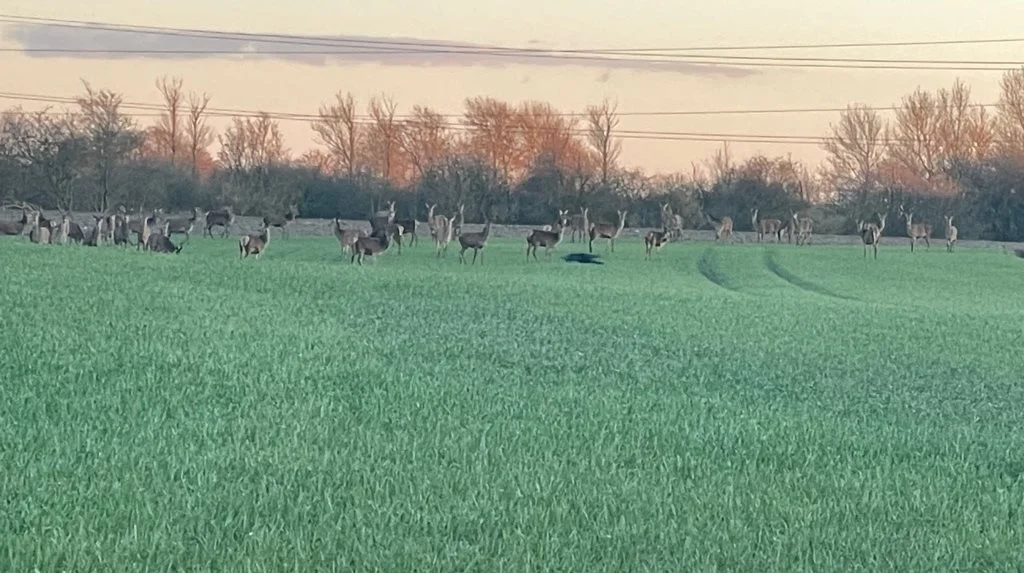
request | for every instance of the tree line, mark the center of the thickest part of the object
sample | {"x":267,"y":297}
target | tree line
{"x":940,"y":153}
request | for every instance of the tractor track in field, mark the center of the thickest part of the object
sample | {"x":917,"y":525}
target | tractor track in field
{"x":778,"y":270}
{"x":708,"y":267}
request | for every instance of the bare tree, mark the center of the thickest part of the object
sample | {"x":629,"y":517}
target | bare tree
{"x":914,"y":138}
{"x":601,"y":123}
{"x":111,"y":137}
{"x":855,"y":149}
{"x":425,"y":138}
{"x":383,"y":141}
{"x":198,"y":133}
{"x":250,"y":150}
{"x":168,"y":129}
{"x":336,"y":129}
{"x":494,"y":134}
{"x":1010,"y":116}
{"x":49,"y":146}
{"x":964,"y":130}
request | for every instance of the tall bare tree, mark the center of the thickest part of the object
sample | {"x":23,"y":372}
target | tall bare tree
{"x":855,"y":149}
{"x":251,"y":148}
{"x":168,"y":130}
{"x":493,"y":134}
{"x":601,"y":123}
{"x":111,"y":137}
{"x":50,"y":147}
{"x":383,"y":139}
{"x":336,"y":128}
{"x":198,"y":133}
{"x":1010,"y":115}
{"x":425,"y":138}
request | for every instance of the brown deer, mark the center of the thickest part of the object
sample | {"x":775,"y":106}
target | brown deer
{"x":40,"y":233}
{"x":95,"y":235}
{"x":282,"y":221}
{"x":223,"y":217}
{"x":142,"y":239}
{"x":433,"y":221}
{"x":122,"y":226}
{"x":563,"y":215}
{"x":346,"y":237}
{"x":161,"y":243}
{"x":254,"y":244}
{"x":408,"y":230}
{"x":579,"y":224}
{"x":604,"y":231}
{"x":871,"y":234}
{"x":916,"y":231}
{"x":951,"y":233}
{"x":459,"y":220}
{"x":671,"y":222}
{"x":369,"y":247}
{"x":183,"y":225}
{"x":11,"y":228}
{"x":547,"y":239}
{"x":443,"y":234}
{"x":654,"y":240}
{"x":802,"y":227}
{"x":766,"y":227}
{"x":475,"y":241}
{"x":723,"y":226}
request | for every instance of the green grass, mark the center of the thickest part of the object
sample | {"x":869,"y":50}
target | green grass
{"x":734,"y":408}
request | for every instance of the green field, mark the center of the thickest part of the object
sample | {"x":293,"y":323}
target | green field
{"x":729,"y":408}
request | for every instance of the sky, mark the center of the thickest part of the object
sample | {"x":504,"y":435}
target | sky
{"x":283,"y":84}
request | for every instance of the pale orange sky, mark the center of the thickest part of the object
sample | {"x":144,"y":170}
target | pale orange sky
{"x":287,"y":86}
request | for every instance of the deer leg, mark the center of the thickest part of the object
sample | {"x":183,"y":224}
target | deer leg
{"x":927,"y":243}
{"x":475,"y":251}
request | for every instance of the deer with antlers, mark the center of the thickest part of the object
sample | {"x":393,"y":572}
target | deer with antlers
{"x":254,"y":244}
{"x":654,"y":240}
{"x":282,"y":221}
{"x":951,"y":233}
{"x":801,"y":227}
{"x":916,"y":231}
{"x":605,"y":231}
{"x":475,"y":241}
{"x":547,"y":239}
{"x":766,"y":226}
{"x":871,"y":234}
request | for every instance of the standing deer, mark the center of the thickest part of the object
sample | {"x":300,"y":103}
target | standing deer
{"x":40,"y":233}
{"x":547,"y":239}
{"x":408,"y":229}
{"x":603,"y":231}
{"x":871,"y":233}
{"x":802,"y":227}
{"x":122,"y":226}
{"x":916,"y":231}
{"x":579,"y":224}
{"x":143,"y":237}
{"x":282,"y":221}
{"x":443,"y":234}
{"x":654,"y":240}
{"x":369,"y":246}
{"x":563,"y":215}
{"x":346,"y":237}
{"x":96,"y":233}
{"x":223,"y":217}
{"x":475,"y":241}
{"x":671,"y":222}
{"x":183,"y":225}
{"x":951,"y":233}
{"x":459,"y":220}
{"x":254,"y":244}
{"x":766,"y":227}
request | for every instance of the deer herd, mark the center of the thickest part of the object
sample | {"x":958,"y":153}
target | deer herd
{"x":153,"y":231}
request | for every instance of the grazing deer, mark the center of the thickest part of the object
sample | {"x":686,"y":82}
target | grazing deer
{"x":161,"y":243}
{"x":563,"y":215}
{"x":723,"y":226}
{"x":916,"y":231}
{"x":183,"y":225}
{"x":802,"y":226}
{"x":223,"y":217}
{"x":672,"y":223}
{"x":547,"y":239}
{"x":766,"y":227}
{"x":369,"y":247}
{"x":475,"y":241}
{"x":254,"y":244}
{"x":10,"y":228}
{"x":654,"y":240}
{"x":346,"y":237}
{"x":579,"y":224}
{"x":603,"y":231}
{"x":951,"y":234}
{"x":281,"y":221}
{"x":40,"y":233}
{"x":871,"y":233}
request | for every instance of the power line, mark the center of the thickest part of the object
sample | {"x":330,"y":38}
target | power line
{"x":360,"y":47}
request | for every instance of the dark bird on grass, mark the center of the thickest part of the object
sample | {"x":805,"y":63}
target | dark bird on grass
{"x":586,"y":258}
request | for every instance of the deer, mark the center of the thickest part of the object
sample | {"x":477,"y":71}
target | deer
{"x":254,"y":244}
{"x":386,"y":213}
{"x":223,"y":217}
{"x":408,"y":229}
{"x":95,"y":235}
{"x":871,"y":233}
{"x":459,"y":220}
{"x":346,"y":237}
{"x":802,"y":226}
{"x":603,"y":231}
{"x":916,"y":231}
{"x":40,"y":234}
{"x":547,"y":239}
{"x":672,"y":223}
{"x":723,"y":226}
{"x":11,"y":228}
{"x":183,"y":225}
{"x":161,"y":243}
{"x":143,"y":237}
{"x":282,"y":221}
{"x":369,"y":247}
{"x":654,"y":240}
{"x":381,"y":226}
{"x":433,"y":221}
{"x":122,"y":228}
{"x":475,"y":241}
{"x":443,"y":234}
{"x":766,"y":227}
{"x":579,"y":224}
{"x":563,"y":215}
{"x":951,"y":233}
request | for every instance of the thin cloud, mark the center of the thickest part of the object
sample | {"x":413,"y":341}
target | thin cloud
{"x":98,"y":44}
